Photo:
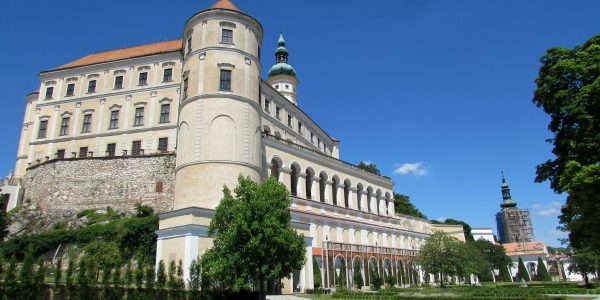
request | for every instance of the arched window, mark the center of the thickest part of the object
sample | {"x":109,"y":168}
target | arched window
{"x":377,"y":204}
{"x":346,"y":193}
{"x":359,"y":190}
{"x":309,"y":182}
{"x":294,"y":180}
{"x":322,"y":183}
{"x":334,"y":190}
{"x":275,"y":169}
{"x":369,"y":196}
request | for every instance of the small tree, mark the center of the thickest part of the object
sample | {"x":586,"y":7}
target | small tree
{"x":27,"y":276}
{"x":522,"y":273}
{"x":57,"y":278}
{"x":375,"y":278}
{"x":128,"y":279}
{"x":442,"y":255}
{"x":316,"y":273}
{"x":4,"y":217}
{"x":161,"y":278}
{"x":504,"y":274}
{"x":195,"y":281}
{"x":69,"y":276}
{"x":341,"y":280}
{"x":358,"y":280}
{"x":542,"y":271}
{"x":139,"y":273}
{"x":171,"y":275}
{"x":585,"y":261}
{"x":39,"y":280}
{"x":10,"y":284}
{"x":117,"y":291}
{"x":150,"y":277}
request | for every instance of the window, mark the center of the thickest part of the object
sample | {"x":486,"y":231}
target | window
{"x":64,"y":126}
{"x":189,"y":45}
{"x":139,"y":116}
{"x":299,"y":127}
{"x":91,"y":86}
{"x":165,"y":110}
{"x":60,"y":153}
{"x":83,"y":152}
{"x":143,"y":78}
{"x":136,"y":148}
{"x":118,"y":82}
{"x":87,"y":123}
{"x":43,"y":129}
{"x":227,"y":36}
{"x":312,"y":137}
{"x":277,"y":113}
{"x":277,"y":86}
{"x":49,"y":92}
{"x":267,"y":102}
{"x":163,"y":144}
{"x":114,"y":120}
{"x":225,"y":82}
{"x":185,"y":88}
{"x":287,"y":86}
{"x":289,"y":121}
{"x":111,"y":149}
{"x":70,"y":89}
{"x":168,"y":75}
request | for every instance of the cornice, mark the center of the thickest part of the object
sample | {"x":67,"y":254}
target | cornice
{"x":230,"y":162}
{"x":189,"y":100}
{"x":103,"y":134}
{"x":198,"y":52}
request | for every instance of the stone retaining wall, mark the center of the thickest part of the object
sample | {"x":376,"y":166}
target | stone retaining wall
{"x":119,"y":182}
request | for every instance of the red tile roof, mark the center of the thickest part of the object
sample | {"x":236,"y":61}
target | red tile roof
{"x":124,"y":53}
{"x":225,"y":4}
{"x":529,"y":248}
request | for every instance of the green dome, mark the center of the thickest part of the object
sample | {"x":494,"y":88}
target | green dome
{"x":282,"y":69}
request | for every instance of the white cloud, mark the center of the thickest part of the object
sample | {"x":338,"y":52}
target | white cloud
{"x":536,"y":206}
{"x":416,"y":169}
{"x":550,"y":209}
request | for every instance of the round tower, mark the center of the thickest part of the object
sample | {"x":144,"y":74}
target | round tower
{"x":219,"y":115}
{"x":282,"y":75}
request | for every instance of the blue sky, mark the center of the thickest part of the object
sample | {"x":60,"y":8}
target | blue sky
{"x":436,"y":93}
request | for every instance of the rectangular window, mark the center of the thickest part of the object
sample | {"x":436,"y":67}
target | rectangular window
{"x":163,"y":144}
{"x":60,"y":154}
{"x":64,"y":126}
{"x":114,"y":120}
{"x":111,"y":149}
{"x":299,"y":127}
{"x":312,"y":137}
{"x":49,"y":92}
{"x":136,"y":148}
{"x":83,"y":152}
{"x":70,"y":89}
{"x":277,"y":115}
{"x":289,"y":121}
{"x":118,"y":82}
{"x":168,"y":75}
{"x":225,"y":82}
{"x":189,"y":45}
{"x":139,"y":116}
{"x":91,"y":86}
{"x":143,"y":78}
{"x":227,"y":36}
{"x":267,"y":103}
{"x":87,"y":123}
{"x":43,"y":129}
{"x":185,"y":88}
{"x":165,"y":111}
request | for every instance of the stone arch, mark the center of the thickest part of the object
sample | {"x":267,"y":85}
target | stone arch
{"x":183,"y":134}
{"x":335,"y":182}
{"x":347,"y":191}
{"x":370,"y":240}
{"x":267,"y":129}
{"x":345,"y":235}
{"x":357,"y":237}
{"x":332,"y":234}
{"x":322,"y":185}
{"x":373,"y":267}
{"x":359,"y":191}
{"x":276,"y":166}
{"x":389,"y":240}
{"x":294,"y":175}
{"x":319,"y":235}
{"x":369,"y":198}
{"x":531,"y":268}
{"x":310,"y":174}
{"x":398,"y":242}
{"x":222,"y":138}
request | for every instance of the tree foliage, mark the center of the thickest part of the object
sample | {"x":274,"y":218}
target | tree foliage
{"x":494,"y":257}
{"x":4,"y":217}
{"x":358,"y":280}
{"x":253,"y":238}
{"x":466,"y":227}
{"x":541,"y":273}
{"x":522,"y":271}
{"x":585,"y":262}
{"x":369,"y":167}
{"x":568,"y":89}
{"x":316,"y":273}
{"x":402,"y":205}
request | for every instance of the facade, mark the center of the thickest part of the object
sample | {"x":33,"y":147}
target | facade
{"x":167,"y":124}
{"x":529,"y":252}
{"x":514,"y":224}
{"x":483,"y":233}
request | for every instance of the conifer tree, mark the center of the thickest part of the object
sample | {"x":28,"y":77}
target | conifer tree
{"x":194,"y":282}
{"x":128,"y":279}
{"x":504,"y":274}
{"x":358,"y":280}
{"x":139,"y":273}
{"x":38,"y":291}
{"x":117,"y":290}
{"x":171,"y":281}
{"x":316,"y":273}
{"x":150,"y":277}
{"x":542,"y":271}
{"x":26,"y":280}
{"x":11,"y":288}
{"x":161,"y":279}
{"x":523,"y":274}
{"x":1,"y":266}
{"x":69,"y":276}
{"x":341,"y":280}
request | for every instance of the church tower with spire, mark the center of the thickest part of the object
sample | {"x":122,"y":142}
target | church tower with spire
{"x":514,"y":224}
{"x":282,"y":76}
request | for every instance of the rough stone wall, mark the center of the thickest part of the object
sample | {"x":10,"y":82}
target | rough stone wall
{"x":121,"y":182}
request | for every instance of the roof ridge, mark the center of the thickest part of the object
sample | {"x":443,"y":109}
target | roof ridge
{"x":129,"y":47}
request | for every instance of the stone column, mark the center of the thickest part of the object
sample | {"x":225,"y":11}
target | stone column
{"x":373,"y":204}
{"x":391,"y":207}
{"x":54,"y":121}
{"x":381,"y":203}
{"x":313,"y":188}
{"x":351,"y":200}
{"x":301,"y":185}
{"x":284,"y":177}
{"x":328,"y":199}
{"x":340,"y":195}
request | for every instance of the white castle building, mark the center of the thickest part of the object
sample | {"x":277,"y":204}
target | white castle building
{"x":167,"y":124}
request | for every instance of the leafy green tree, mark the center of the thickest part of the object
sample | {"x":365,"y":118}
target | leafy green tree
{"x":441,"y":255}
{"x":585,"y":262}
{"x":195,"y":281}
{"x":402,"y":205}
{"x":358,"y":280}
{"x":470,"y":261}
{"x":522,"y":273}
{"x":4,"y":217}
{"x":568,"y":89}
{"x":102,"y":255}
{"x":10,"y":284}
{"x":84,"y":279}
{"x":369,"y":167}
{"x":494,"y":255}
{"x":542,"y":271}
{"x":316,"y":273}
{"x":254,"y":242}
{"x":466,"y":227}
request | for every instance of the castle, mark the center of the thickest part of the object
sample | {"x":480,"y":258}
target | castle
{"x":168,"y":124}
